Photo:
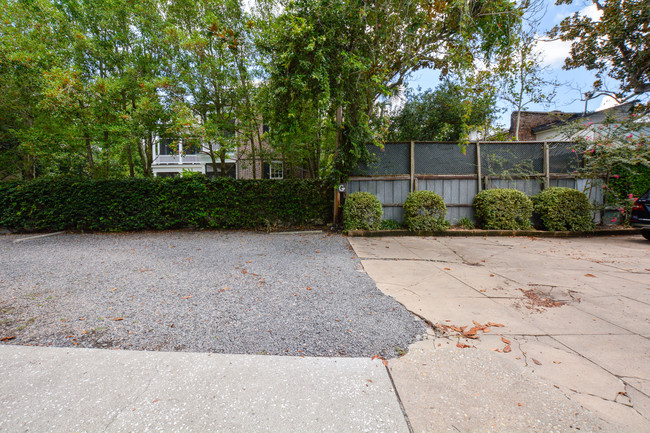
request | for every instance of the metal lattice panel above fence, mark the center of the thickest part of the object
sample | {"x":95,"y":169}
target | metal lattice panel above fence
{"x":499,"y":159}
{"x":444,"y":158}
{"x":394,"y":158}
{"x":512,"y":159}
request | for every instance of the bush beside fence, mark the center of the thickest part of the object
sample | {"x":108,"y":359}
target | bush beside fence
{"x":144,"y":204}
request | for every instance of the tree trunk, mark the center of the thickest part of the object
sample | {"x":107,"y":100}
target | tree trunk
{"x":129,"y":157}
{"x":89,"y":155}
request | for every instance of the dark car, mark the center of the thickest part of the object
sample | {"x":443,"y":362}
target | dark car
{"x":641,"y":214}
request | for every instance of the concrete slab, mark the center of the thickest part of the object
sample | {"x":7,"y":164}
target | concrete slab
{"x":594,"y":349}
{"x":621,"y":355}
{"x":469,"y":390}
{"x":621,"y":311}
{"x":565,"y":368}
{"x":562,"y":320}
{"x":54,"y":389}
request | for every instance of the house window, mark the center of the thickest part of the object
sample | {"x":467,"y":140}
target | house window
{"x":276,"y":170}
{"x":231,"y":170}
{"x":167,"y":174}
{"x":166,"y":147}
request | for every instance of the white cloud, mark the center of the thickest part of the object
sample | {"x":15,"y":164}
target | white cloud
{"x":553,"y":53}
{"x":592,"y":12}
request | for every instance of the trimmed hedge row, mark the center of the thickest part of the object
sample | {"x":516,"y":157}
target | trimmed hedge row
{"x":143,"y":204}
{"x":496,"y":209}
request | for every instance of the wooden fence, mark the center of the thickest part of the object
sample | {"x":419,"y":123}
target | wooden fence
{"x":459,"y":188}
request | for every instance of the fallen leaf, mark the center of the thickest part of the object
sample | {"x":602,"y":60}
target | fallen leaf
{"x":486,"y":330}
{"x":8,"y":338}
{"x":249,"y":261}
{"x":536,"y":361}
{"x":590,"y":275}
{"x":447,"y":269}
{"x":462,"y":346}
{"x":471,"y":332}
{"x":505,"y":340}
{"x":244,"y":271}
{"x":507,"y":349}
{"x":476,"y":323}
{"x":187,"y":297}
{"x":117,"y":319}
{"x":557,"y":362}
{"x":491,"y":275}
{"x":171,"y":326}
{"x":112,"y":290}
{"x":495,"y":325}
{"x":155,"y":401}
{"x":519,"y":404}
{"x":308,"y":288}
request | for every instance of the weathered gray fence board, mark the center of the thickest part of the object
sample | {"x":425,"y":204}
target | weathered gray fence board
{"x":437,"y":164}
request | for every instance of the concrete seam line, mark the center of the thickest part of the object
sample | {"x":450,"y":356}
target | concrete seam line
{"x":37,"y":237}
{"x":399,"y":400}
{"x":306,"y":232}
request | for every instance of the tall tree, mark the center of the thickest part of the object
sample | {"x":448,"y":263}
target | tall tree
{"x":617,"y":44}
{"x":447,"y":113}
{"x":343,"y":55}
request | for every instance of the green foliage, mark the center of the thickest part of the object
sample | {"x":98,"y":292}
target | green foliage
{"x":444,"y":114}
{"x":390,"y":225}
{"x":503,"y":209}
{"x":362,"y":211}
{"x":564,"y":209}
{"x":465,"y":223}
{"x":615,"y":44}
{"x":159,"y":204}
{"x":614,"y":155}
{"x":331,"y":62}
{"x":425,"y":211}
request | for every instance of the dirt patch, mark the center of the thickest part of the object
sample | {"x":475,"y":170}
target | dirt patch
{"x":538,"y":302}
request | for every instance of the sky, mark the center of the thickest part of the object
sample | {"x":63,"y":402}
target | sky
{"x":574,"y":82}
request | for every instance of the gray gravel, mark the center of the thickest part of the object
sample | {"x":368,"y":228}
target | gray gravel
{"x":223,"y":292}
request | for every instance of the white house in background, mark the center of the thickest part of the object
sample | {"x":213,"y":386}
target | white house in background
{"x":171,"y":159}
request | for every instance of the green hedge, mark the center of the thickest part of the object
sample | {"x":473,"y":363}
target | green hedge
{"x":564,"y":209}
{"x":503,"y":209}
{"x":362,"y":211}
{"x":143,"y":204}
{"x":425,"y":211}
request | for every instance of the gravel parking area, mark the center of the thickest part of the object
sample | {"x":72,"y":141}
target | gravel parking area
{"x":222,"y":292}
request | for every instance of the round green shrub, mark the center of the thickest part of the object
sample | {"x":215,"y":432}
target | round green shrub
{"x":564,"y":209}
{"x":362,"y":211}
{"x":425,"y":211}
{"x":503,"y":209}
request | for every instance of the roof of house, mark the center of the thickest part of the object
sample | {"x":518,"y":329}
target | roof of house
{"x":595,"y":117}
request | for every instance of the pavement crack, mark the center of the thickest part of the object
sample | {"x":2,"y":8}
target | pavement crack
{"x":399,"y":400}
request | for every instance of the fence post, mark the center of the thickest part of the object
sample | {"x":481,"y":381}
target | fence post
{"x":478,"y":166}
{"x":412,"y":183}
{"x":547,"y":165}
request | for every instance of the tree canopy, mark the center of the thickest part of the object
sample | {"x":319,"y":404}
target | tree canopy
{"x":447,"y":113}
{"x":615,"y":45}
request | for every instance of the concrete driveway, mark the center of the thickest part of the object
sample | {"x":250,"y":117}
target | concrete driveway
{"x":517,"y":316}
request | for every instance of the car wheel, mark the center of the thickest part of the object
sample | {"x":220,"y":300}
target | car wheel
{"x":645,"y":233}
